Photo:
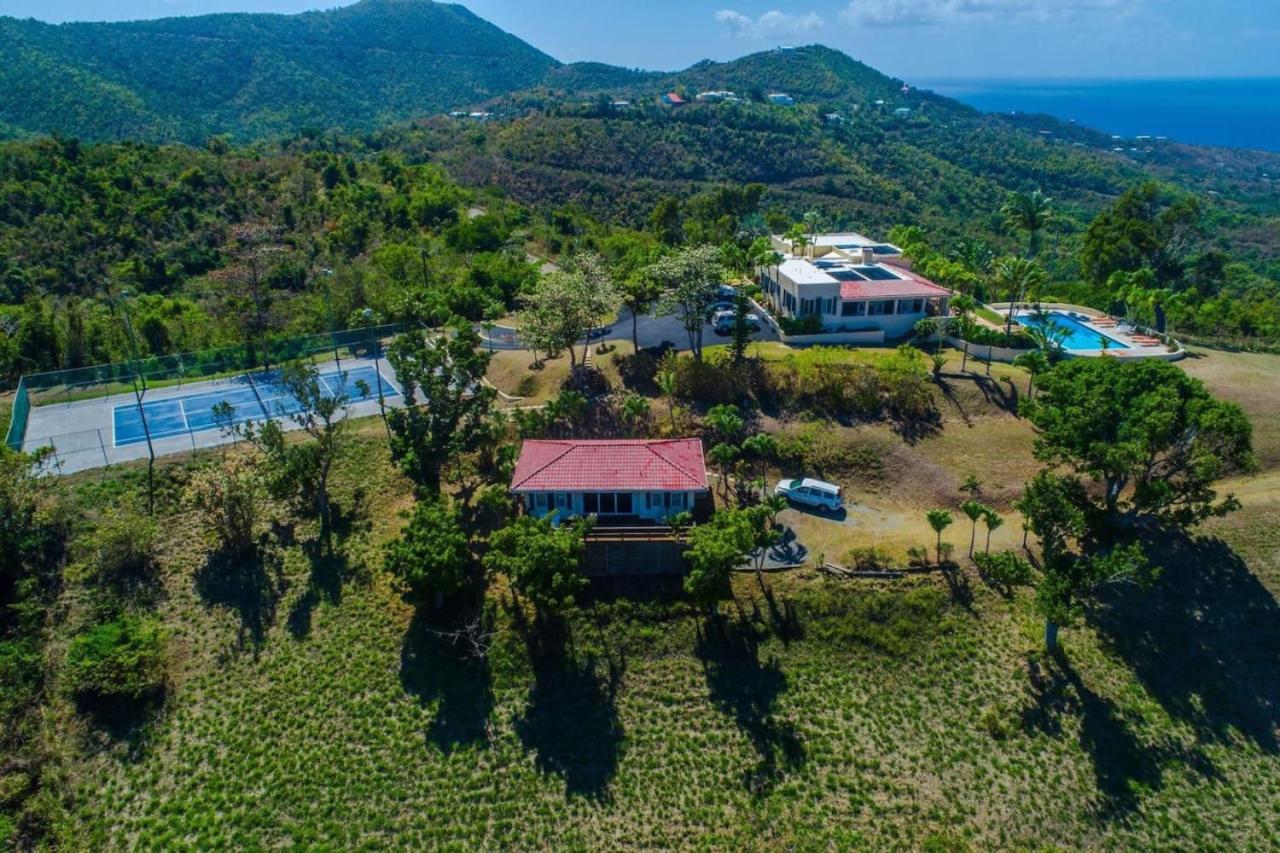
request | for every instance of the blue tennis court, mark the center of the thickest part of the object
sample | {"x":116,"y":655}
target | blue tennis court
{"x":250,"y":397}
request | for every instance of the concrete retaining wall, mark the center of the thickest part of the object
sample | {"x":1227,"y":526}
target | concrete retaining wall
{"x":871,"y":336}
{"x":986,"y":353}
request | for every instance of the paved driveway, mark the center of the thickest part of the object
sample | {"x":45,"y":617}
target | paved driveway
{"x":651,"y":331}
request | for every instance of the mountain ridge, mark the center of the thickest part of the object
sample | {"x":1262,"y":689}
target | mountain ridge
{"x":255,"y":75}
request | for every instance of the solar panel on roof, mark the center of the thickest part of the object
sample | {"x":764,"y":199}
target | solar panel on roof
{"x":878,"y":274}
{"x":847,"y":275}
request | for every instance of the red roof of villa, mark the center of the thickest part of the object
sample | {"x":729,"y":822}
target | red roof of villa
{"x":908,"y":286}
{"x":610,"y":465}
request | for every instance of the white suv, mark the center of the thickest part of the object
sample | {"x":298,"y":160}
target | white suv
{"x":723,"y":321}
{"x":818,"y":494}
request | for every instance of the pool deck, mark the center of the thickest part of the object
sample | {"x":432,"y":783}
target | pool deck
{"x":82,"y":432}
{"x":1136,"y":343}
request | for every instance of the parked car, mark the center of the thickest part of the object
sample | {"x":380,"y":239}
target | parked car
{"x":723,"y":321}
{"x":809,"y":492}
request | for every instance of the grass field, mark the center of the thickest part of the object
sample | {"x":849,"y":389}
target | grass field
{"x":308,"y":706}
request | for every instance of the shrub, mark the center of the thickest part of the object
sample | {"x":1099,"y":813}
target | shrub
{"x":869,"y":559}
{"x":120,"y":659}
{"x":715,"y":379}
{"x":637,"y":370}
{"x":800,"y":326}
{"x":1004,"y":569}
{"x":814,"y":449}
{"x":20,"y":672}
{"x":229,"y":499}
{"x":121,"y":550}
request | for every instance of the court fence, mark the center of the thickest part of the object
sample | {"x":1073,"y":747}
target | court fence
{"x":161,"y":373}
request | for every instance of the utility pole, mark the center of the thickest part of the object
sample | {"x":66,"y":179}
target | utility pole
{"x":328,"y":303}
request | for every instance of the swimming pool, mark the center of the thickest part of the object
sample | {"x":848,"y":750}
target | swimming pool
{"x":1078,"y":336}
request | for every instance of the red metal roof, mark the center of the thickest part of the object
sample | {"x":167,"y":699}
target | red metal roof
{"x":673,"y":98}
{"x":909,"y":286}
{"x":610,"y":465}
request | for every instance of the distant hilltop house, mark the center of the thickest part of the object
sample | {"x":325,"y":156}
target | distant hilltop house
{"x":715,"y":96}
{"x":620,"y":105}
{"x":833,"y":118}
{"x":477,"y":115}
{"x":902,"y":112}
{"x":615,"y":480}
{"x":671,"y":99}
{"x":848,"y":282}
{"x":781,"y":99}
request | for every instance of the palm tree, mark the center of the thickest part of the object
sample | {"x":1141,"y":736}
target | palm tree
{"x":774,"y":504}
{"x":797,"y":238}
{"x":939,"y":520}
{"x":963,"y":306}
{"x":992,"y":520}
{"x":975,"y":510}
{"x":1017,"y":277}
{"x":666,"y":380}
{"x":1048,"y":334}
{"x":1035,"y":363}
{"x":723,"y":455}
{"x":1030,"y":212}
{"x":813,"y":221}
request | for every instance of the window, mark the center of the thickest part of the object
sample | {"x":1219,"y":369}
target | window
{"x":911,"y":306}
{"x":562,"y":500}
{"x":606,"y":502}
{"x":881,"y":308}
{"x":590,"y":506}
{"x":853,"y":309}
{"x":624,"y":503}
{"x":540,"y":500}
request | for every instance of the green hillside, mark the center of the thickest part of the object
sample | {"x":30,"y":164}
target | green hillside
{"x":943,"y":166}
{"x":185,"y":79}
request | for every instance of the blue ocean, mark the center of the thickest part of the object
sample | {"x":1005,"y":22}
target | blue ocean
{"x":1242,"y":113}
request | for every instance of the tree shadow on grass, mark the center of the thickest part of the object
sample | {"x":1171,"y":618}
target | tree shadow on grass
{"x":1124,"y":765}
{"x":571,"y":720}
{"x":1205,"y":641}
{"x":438,"y":668}
{"x":330,"y":565}
{"x":746,"y":688}
{"x":329,"y":571}
{"x":913,"y":430}
{"x":250,"y":586}
{"x":122,"y":720}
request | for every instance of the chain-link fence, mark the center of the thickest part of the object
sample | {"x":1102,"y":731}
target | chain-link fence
{"x":96,"y":416}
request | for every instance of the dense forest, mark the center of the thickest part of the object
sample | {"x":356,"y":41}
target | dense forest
{"x":253,"y":75}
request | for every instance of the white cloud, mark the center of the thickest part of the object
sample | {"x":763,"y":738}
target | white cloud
{"x":772,"y":24}
{"x":915,"y":13}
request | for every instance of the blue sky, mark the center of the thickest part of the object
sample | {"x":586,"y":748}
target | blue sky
{"x":915,"y":39}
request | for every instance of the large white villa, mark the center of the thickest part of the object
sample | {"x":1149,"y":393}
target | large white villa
{"x":850,"y":283}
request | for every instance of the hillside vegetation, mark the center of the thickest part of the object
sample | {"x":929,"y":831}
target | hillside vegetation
{"x":253,"y":75}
